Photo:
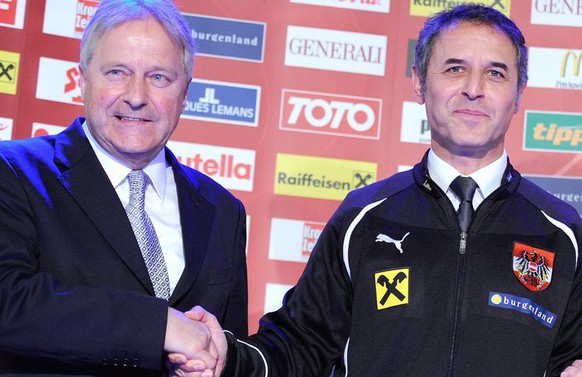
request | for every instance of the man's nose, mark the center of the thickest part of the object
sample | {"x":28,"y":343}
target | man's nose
{"x":136,"y":93}
{"x":473,"y":87}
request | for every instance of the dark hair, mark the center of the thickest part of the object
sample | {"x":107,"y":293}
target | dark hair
{"x":472,"y":13}
{"x":112,"y":13}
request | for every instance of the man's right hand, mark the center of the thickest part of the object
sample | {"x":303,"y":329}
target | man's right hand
{"x":192,"y":339}
{"x":574,"y":370}
{"x":185,"y":364}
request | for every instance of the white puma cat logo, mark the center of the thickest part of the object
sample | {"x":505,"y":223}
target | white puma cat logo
{"x":398,"y":243}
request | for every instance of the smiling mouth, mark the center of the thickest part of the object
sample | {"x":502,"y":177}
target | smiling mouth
{"x":131,"y":119}
{"x":471,"y":112}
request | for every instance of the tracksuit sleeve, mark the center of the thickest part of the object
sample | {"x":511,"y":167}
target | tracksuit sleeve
{"x":309,"y":332}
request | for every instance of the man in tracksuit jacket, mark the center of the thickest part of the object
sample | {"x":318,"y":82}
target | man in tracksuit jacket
{"x":446,"y":311}
{"x":399,"y":285}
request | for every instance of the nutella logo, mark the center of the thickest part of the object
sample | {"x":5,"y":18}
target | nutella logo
{"x":325,"y":113}
{"x":85,"y":10}
{"x":233,"y":168}
{"x":225,"y":166}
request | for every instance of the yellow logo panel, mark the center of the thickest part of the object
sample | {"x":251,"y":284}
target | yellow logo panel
{"x":391,"y":288}
{"x":427,"y":7}
{"x":319,"y":177}
{"x":9,"y":63}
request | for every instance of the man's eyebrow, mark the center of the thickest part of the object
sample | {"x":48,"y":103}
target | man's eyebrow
{"x":499,"y":65}
{"x":454,"y":61}
{"x":460,"y":61}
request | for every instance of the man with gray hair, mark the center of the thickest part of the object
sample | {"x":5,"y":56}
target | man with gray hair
{"x":105,"y":238}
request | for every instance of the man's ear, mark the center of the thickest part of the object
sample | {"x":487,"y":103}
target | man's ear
{"x":185,"y":99}
{"x":82,"y":81}
{"x":417,"y":86}
{"x":518,"y":99}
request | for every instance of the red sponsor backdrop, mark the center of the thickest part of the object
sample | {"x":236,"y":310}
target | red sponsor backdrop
{"x":384,"y":94}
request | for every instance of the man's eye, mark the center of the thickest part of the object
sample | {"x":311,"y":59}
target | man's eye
{"x":115,"y":74}
{"x":159,"y":77}
{"x":496,"y":74}
{"x":160,"y":80}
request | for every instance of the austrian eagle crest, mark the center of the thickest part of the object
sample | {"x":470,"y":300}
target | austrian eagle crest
{"x":532,"y":266}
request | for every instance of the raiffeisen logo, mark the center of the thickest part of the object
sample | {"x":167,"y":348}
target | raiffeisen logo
{"x":233,"y":168}
{"x":425,"y":8}
{"x":553,"y":132}
{"x":320,"y":177}
{"x":9,"y":67}
{"x":293,"y":240}
{"x":380,"y":6}
{"x":332,"y":114}
{"x":336,"y":50}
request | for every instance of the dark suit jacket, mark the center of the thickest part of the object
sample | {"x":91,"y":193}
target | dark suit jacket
{"x":75,"y":296}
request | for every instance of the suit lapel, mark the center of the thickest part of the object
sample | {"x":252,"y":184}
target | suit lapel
{"x":196,"y":217}
{"x":88,"y":184}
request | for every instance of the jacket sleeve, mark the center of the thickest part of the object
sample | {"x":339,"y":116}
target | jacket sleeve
{"x":568,"y":346}
{"x":309,"y":332}
{"x":42,"y":316}
{"x":236,"y":313}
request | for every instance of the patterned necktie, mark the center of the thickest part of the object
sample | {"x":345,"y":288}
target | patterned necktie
{"x":146,"y":234}
{"x":464,"y":188}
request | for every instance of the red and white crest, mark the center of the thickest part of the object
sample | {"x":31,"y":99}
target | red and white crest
{"x":532,"y":266}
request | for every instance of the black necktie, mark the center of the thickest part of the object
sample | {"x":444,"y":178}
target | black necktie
{"x":464,"y":188}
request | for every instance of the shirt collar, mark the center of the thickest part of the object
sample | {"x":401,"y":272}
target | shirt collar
{"x":117,"y":171}
{"x":488,"y":178}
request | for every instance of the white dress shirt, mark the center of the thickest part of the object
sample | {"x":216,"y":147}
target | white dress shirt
{"x":488,"y":178}
{"x":161,"y":203}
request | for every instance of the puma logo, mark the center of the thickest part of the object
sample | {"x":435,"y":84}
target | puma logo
{"x":398,"y":243}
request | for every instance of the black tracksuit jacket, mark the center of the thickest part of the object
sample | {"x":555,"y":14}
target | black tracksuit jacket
{"x":389,"y":289}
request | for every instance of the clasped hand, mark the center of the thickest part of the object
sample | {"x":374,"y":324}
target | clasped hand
{"x":195,"y":343}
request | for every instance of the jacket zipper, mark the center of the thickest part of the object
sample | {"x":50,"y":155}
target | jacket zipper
{"x":458,"y":295}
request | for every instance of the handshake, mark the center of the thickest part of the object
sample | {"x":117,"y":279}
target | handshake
{"x":195,"y":343}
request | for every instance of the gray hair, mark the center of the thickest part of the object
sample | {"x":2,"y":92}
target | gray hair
{"x":112,"y":13}
{"x":478,"y":14}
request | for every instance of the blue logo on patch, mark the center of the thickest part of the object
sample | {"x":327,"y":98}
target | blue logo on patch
{"x":222,"y":102}
{"x":523,"y":305}
{"x":228,"y":38}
